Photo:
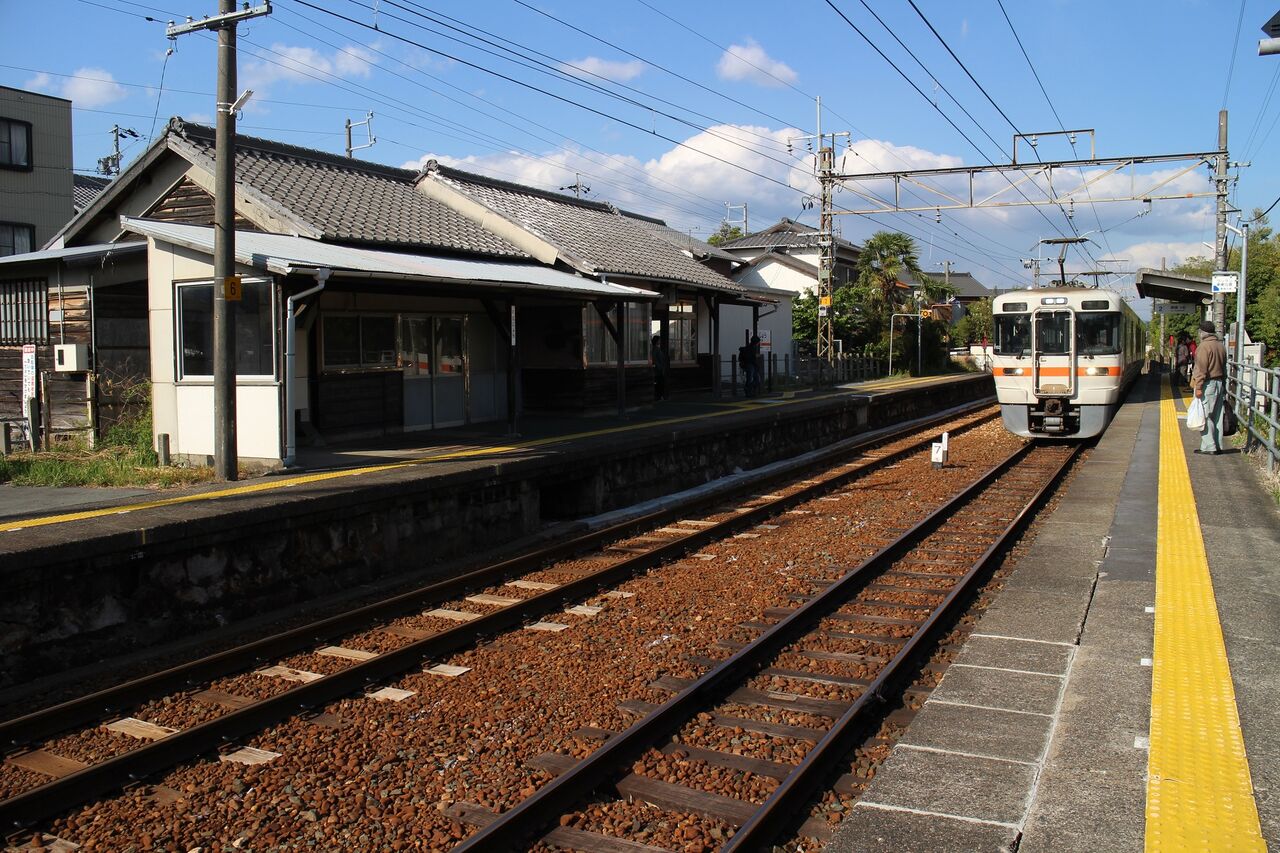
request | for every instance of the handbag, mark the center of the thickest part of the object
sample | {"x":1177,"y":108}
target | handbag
{"x":1230,"y":423}
{"x":1195,"y":414}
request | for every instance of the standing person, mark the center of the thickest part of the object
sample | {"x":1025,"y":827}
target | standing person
{"x":660,"y":365}
{"x":1208,"y":380}
{"x":1182,"y":355}
{"x":751,"y":367}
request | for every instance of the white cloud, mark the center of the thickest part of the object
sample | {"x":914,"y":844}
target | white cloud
{"x":1152,"y":253}
{"x":87,"y":87}
{"x":305,"y":64}
{"x":607,"y":68}
{"x":750,"y":63}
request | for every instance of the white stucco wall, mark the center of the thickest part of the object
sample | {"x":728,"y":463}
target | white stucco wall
{"x":183,"y":409}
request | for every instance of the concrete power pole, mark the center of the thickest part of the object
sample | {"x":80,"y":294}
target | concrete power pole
{"x":225,"y":463}
{"x":1222,"y":183}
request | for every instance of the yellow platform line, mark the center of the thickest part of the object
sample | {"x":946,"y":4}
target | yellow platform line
{"x":278,"y":483}
{"x":1199,"y":793}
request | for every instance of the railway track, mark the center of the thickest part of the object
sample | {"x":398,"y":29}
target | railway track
{"x":666,"y":534}
{"x":938,"y":560}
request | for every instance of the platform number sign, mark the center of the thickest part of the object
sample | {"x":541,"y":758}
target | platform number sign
{"x":1225,"y":281}
{"x":232,"y":288}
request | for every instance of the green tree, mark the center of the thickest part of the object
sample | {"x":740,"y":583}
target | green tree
{"x":886,"y":265}
{"x":975,"y":325}
{"x":726,"y":234}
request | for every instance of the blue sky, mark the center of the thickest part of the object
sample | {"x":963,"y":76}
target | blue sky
{"x":735,"y":81}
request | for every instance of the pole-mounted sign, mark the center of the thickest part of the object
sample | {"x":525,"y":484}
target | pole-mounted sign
{"x":1225,"y":281}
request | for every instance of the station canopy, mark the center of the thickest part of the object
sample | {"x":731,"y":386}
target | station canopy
{"x":285,"y":255}
{"x":1174,"y":287}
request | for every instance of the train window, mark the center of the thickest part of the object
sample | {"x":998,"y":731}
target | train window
{"x":1013,"y":334}
{"x":1098,"y":334}
{"x":1053,"y":332}
{"x":1095,"y":305}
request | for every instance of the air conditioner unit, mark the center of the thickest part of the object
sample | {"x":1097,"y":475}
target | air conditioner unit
{"x":70,"y":357}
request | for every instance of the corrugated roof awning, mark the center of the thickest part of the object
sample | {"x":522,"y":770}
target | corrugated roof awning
{"x":284,"y":255}
{"x":76,"y":254}
{"x":1175,"y":287}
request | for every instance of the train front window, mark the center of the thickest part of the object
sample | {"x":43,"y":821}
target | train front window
{"x":1053,"y":332}
{"x":1013,"y":334}
{"x":1098,"y":334}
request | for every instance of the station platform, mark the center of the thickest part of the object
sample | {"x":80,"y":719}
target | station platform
{"x":128,"y":572}
{"x":1119,"y":693}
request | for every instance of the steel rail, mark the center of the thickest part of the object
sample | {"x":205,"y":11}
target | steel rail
{"x":514,"y":828}
{"x":31,"y":728}
{"x":787,"y":801}
{"x":65,"y":792}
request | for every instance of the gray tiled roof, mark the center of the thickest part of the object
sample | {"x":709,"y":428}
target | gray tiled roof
{"x":349,"y":200}
{"x":593,"y":232}
{"x":85,"y":188}
{"x":965,"y":285}
{"x":787,"y":233}
{"x":680,"y":239}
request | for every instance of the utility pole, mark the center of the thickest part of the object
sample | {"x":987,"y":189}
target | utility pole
{"x":368,"y":125}
{"x":225,"y":463}
{"x":1222,"y":183}
{"x":730,"y":221}
{"x":577,"y":186}
{"x":825,"y":172}
{"x":110,"y":165}
{"x":946,"y":271}
{"x":1033,"y":264}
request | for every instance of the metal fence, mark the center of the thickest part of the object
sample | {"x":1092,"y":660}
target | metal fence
{"x":783,"y":371}
{"x":1254,"y":392}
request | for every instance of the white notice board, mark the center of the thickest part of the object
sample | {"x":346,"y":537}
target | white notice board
{"x":28,"y":371}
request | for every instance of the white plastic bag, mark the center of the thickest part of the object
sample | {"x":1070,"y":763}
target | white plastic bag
{"x":1195,"y":415}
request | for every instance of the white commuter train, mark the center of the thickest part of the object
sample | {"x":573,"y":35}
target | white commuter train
{"x":1063,"y":358}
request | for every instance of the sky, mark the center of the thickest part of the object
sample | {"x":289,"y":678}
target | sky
{"x":673,"y":109}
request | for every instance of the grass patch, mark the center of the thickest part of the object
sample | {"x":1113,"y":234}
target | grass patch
{"x":126,"y":458}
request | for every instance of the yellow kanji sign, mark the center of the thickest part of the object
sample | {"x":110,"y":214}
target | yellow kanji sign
{"x":232,"y":290}
{"x":824,"y":301}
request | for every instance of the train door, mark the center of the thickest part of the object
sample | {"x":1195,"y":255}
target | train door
{"x":1054,"y":353}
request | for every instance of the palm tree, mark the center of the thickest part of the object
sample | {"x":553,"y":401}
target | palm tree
{"x":887,"y":267}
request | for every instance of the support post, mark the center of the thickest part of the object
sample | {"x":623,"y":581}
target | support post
{"x":622,"y":359}
{"x":225,"y":462}
{"x":513,"y":375}
{"x":1222,"y":182}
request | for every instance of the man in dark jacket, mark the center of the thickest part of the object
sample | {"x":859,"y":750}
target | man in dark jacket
{"x":1209,"y":381}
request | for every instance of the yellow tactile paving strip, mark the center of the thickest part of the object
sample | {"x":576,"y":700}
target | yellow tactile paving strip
{"x":277,"y":483}
{"x":1199,"y":793}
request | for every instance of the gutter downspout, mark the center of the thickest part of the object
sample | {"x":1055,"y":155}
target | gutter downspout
{"x":290,"y":361}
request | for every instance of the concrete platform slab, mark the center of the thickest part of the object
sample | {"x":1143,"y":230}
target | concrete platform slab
{"x":980,"y":731}
{"x":1051,"y":617}
{"x":963,"y":786}
{"x":1010,"y":690}
{"x":1085,"y":811}
{"x":879,"y":830}
{"x":982,"y":650}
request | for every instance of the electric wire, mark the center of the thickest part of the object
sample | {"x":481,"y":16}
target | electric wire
{"x":1061,"y":124}
{"x":1262,"y":112}
{"x":612,"y":162}
{"x":1231,"y":55}
{"x":159,"y":94}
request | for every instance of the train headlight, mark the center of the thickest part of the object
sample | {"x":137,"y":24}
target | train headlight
{"x":1013,"y":371}
{"x":1095,"y":371}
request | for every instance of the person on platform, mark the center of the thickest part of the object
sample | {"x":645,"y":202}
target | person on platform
{"x":1209,"y":382}
{"x":1182,"y":356}
{"x":749,"y":356}
{"x":660,"y":366}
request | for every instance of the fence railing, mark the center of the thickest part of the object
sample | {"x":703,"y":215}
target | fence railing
{"x":1254,"y":392}
{"x":782,"y":371}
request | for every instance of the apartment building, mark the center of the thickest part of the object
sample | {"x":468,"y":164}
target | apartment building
{"x":36,"y":185}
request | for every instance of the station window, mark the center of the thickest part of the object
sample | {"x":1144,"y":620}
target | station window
{"x":598,"y":343}
{"x":16,"y":238}
{"x":24,"y":311}
{"x":359,"y":341}
{"x":682,"y":327}
{"x":15,"y":144}
{"x":254,"y":335}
